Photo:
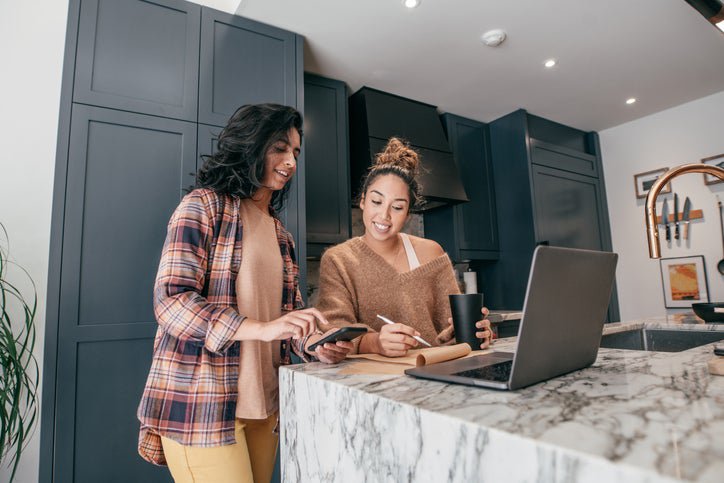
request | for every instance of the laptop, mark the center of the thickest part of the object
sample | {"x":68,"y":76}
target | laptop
{"x":563,"y":315}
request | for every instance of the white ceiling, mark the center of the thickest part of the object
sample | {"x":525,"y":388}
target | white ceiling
{"x":663,"y":52}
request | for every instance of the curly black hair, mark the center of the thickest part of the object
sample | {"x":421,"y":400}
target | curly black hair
{"x":237,"y":166}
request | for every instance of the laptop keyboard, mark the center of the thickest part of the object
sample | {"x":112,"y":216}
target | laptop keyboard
{"x":496,"y":372}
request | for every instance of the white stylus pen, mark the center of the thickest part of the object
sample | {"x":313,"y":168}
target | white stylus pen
{"x":417,"y":338}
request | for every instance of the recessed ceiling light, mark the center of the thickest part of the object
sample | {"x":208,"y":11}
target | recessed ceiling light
{"x":411,"y":3}
{"x":631,"y":100}
{"x":550,"y":63}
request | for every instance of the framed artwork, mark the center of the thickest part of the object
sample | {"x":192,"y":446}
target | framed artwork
{"x":717,"y":160}
{"x":644,"y":182}
{"x":684,"y":281}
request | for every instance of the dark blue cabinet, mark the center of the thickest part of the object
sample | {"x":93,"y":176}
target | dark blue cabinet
{"x":566,"y":209}
{"x":126,"y":173}
{"x":326,"y":149}
{"x":468,"y":231}
{"x":123,"y":61}
{"x":549,"y":190}
{"x":244,"y":62}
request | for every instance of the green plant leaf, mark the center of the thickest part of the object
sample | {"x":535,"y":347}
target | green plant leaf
{"x":20,"y":372}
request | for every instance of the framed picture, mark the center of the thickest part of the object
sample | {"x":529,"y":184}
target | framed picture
{"x":644,"y":182}
{"x":717,"y":160}
{"x":684,"y":280}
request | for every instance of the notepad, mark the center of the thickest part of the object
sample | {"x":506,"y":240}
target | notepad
{"x":379,"y":364}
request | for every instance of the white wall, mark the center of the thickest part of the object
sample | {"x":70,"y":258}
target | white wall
{"x":32,"y":43}
{"x":32,"y":39}
{"x":683,"y":134}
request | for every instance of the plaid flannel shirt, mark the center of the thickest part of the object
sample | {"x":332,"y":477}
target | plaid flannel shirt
{"x":191,"y":390}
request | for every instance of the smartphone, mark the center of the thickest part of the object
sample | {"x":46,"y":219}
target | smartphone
{"x":345,"y":333}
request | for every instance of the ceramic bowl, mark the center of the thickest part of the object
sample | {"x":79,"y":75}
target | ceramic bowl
{"x":706,"y":311}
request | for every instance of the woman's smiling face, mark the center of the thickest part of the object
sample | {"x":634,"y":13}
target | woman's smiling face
{"x":385,"y":207}
{"x":281,"y":161}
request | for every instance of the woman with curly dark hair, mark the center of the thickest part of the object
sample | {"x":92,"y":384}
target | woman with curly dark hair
{"x":228,"y":317}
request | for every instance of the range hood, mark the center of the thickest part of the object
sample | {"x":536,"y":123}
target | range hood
{"x":376,"y":116}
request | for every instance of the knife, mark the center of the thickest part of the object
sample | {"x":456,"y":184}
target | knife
{"x":685,"y":219}
{"x":676,"y":216}
{"x":665,"y":219}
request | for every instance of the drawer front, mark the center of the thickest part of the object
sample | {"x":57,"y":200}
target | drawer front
{"x":558,"y":157}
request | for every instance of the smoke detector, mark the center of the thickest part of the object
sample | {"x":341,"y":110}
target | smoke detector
{"x":493,"y":38}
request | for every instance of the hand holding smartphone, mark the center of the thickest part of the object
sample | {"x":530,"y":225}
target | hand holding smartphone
{"x":345,"y":333}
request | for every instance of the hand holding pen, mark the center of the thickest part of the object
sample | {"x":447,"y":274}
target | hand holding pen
{"x":396,"y":339}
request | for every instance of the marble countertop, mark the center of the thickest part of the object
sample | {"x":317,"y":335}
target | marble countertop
{"x":496,"y":316}
{"x":632,"y":416}
{"x":681,"y":320}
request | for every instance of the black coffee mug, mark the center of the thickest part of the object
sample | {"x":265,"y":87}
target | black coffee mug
{"x":465,"y":313}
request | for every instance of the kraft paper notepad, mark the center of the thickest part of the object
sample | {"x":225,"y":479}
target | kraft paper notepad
{"x":379,"y":364}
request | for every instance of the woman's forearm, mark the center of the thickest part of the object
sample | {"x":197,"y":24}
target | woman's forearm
{"x":249,"y":329}
{"x":370,"y":344}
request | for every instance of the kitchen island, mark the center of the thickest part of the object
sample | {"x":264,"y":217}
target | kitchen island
{"x":633,"y":416}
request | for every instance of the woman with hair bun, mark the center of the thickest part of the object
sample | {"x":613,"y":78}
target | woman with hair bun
{"x":405,"y":278}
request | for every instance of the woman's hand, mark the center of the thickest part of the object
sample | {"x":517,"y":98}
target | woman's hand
{"x":394,"y":340}
{"x":330,"y":352}
{"x":296,"y":325}
{"x":486,"y":333}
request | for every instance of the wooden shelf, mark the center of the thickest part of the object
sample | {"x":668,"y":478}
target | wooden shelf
{"x":693,"y":215}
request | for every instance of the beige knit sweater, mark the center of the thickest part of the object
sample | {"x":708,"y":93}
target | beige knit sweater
{"x":356,"y":284}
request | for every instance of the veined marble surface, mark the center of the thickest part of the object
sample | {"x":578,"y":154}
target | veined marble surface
{"x":502,"y":315}
{"x":684,"y":320}
{"x":633,"y":416}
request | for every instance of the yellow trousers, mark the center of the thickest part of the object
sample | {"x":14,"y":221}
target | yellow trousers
{"x":250,"y":460}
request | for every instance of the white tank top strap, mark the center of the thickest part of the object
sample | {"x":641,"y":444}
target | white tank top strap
{"x":410,"y":252}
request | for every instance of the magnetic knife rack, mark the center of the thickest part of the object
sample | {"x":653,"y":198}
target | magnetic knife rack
{"x":693,"y":215}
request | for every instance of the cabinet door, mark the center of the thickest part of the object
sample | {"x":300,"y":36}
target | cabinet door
{"x":125,"y":175}
{"x":327,"y":161}
{"x":468,"y":230}
{"x":243,"y":62}
{"x":570,"y":212}
{"x":567,"y":209}
{"x":476,"y":227}
{"x":139,"y":56}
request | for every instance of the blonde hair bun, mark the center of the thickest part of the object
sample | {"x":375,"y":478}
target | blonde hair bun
{"x":398,"y":153}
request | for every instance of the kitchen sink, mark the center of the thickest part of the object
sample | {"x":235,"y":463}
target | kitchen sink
{"x":660,"y":340}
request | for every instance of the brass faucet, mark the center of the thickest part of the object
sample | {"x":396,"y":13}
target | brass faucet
{"x":652,"y":230}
